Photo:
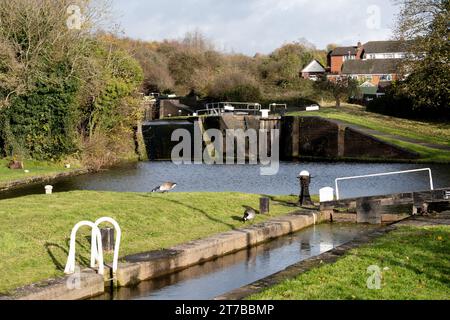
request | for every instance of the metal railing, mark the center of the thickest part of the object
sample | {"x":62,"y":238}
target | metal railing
{"x":218,"y":108}
{"x":383,"y":174}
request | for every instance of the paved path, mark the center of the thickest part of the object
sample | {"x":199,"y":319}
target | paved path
{"x":373,"y":132}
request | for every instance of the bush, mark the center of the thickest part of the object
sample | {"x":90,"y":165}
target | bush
{"x":42,"y":124}
{"x":396,"y":104}
{"x":234,"y":86}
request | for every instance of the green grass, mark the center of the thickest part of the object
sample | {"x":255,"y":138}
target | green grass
{"x":427,"y":154}
{"x":36,"y":168}
{"x":428,"y":132}
{"x":438,"y":133}
{"x":35,"y":230}
{"x":415,"y":264}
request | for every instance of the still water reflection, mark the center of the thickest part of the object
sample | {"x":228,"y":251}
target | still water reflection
{"x":144,"y":176}
{"x":225,"y":274}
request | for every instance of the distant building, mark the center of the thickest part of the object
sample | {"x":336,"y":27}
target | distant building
{"x":384,"y":50}
{"x":313,"y":71}
{"x":339,"y":55}
{"x":372,"y":70}
{"x":374,"y":64}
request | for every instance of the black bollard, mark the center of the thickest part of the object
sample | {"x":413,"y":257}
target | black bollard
{"x":107,"y":239}
{"x":264,"y":205}
{"x":305,"y":197}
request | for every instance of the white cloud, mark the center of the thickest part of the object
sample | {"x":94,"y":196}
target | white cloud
{"x":251,"y":26}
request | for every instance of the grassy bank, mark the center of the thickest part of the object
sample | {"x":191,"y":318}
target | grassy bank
{"x":34,"y":230}
{"x":415,"y":264}
{"x":35,"y":168}
{"x":429,"y":132}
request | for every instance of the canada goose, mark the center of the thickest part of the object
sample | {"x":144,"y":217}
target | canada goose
{"x":165,"y":187}
{"x":249,"y":214}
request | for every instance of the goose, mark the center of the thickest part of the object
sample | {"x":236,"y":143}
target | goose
{"x":165,"y":187}
{"x":249,"y":214}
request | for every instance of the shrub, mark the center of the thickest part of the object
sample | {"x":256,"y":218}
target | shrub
{"x":235,"y":86}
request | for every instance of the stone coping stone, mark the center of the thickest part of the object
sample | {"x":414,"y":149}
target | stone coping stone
{"x":145,"y":266}
{"x":331,"y":256}
{"x":16,"y":184}
{"x":87,"y":284}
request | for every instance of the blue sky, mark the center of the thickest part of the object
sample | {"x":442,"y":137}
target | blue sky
{"x":251,"y":26}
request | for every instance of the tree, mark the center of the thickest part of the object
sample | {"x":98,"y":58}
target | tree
{"x":424,"y":25}
{"x":340,"y":89}
{"x":59,"y":83}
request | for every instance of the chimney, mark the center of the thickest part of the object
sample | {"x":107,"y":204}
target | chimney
{"x":360,"y":51}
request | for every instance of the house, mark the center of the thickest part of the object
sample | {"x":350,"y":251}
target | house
{"x":374,"y":64}
{"x":372,"y":70}
{"x":340,"y":55}
{"x":313,"y":71}
{"x":384,"y":50}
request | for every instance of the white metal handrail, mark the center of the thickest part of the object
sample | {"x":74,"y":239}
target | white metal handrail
{"x":96,"y":248}
{"x":116,"y":245}
{"x":383,"y":174}
{"x":218,"y":108}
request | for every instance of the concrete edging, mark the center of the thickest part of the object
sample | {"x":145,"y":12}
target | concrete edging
{"x":145,"y":266}
{"x":295,"y":270}
{"x":17,"y":184}
{"x":330,"y":257}
{"x":149,"y":265}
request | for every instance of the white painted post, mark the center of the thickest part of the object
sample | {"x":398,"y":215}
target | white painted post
{"x":96,"y":253}
{"x":117,"y":242}
{"x":48,"y":189}
{"x":326,"y":194}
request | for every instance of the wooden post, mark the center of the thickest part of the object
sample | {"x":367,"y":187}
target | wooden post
{"x":264,"y":205}
{"x":107,"y":239}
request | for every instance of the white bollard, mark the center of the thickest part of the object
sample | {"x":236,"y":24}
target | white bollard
{"x":48,"y":189}
{"x":265,"y":114}
{"x":326,"y":194}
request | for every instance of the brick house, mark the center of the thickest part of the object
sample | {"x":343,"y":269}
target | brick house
{"x":374,"y":65}
{"x":374,"y":61}
{"x":372,"y":70}
{"x":340,"y":55}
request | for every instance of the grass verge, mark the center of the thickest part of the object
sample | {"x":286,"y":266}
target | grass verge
{"x":415,"y":264}
{"x":432,"y":132}
{"x":35,"y":168}
{"x":35,"y":230}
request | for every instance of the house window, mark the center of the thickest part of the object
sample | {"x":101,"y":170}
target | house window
{"x":350,"y":57}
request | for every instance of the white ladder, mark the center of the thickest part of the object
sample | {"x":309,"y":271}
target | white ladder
{"x":96,"y":245}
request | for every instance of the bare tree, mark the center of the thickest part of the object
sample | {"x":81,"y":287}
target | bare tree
{"x":37,"y":34}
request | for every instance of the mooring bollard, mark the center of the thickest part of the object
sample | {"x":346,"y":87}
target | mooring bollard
{"x":107,"y":239}
{"x":48,"y":189}
{"x":264,"y":205}
{"x":305,"y":181}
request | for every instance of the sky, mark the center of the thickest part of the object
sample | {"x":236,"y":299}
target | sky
{"x":258,"y":26}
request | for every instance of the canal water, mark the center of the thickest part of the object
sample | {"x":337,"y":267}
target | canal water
{"x":144,"y":176}
{"x":217,"y":277}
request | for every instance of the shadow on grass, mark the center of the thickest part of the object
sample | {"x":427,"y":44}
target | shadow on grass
{"x":53,"y":248}
{"x":285,"y":203}
{"x":207,"y":215}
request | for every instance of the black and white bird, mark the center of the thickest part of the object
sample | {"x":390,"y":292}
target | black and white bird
{"x":249,"y":214}
{"x":165,"y":187}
